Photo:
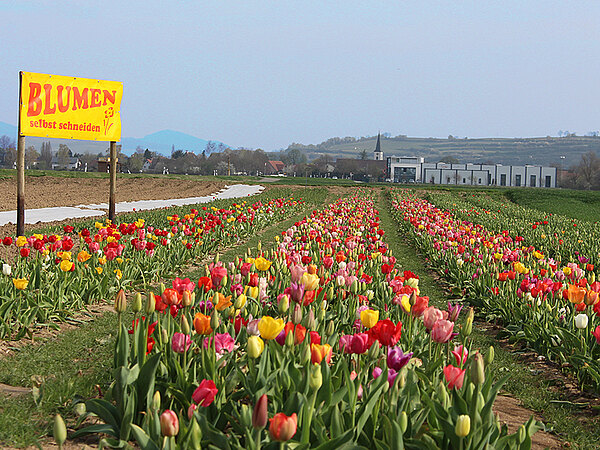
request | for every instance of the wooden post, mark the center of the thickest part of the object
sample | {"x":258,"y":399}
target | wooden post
{"x":20,"y":172}
{"x":113,"y":180}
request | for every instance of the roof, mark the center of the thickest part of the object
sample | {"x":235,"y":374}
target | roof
{"x":277,"y":165}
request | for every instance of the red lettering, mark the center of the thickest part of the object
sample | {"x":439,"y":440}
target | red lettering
{"x":63,"y":106}
{"x":95,"y":103}
{"x":80,"y":100}
{"x":48,"y":91}
{"x":34,"y":105}
{"x":110,"y":97}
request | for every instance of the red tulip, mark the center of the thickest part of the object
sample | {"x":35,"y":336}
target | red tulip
{"x":282,"y":428}
{"x":205,"y":394}
{"x":454,"y":376}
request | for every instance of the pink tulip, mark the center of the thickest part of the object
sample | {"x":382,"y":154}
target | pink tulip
{"x":442,"y":331}
{"x":180,"y":342}
{"x":169,"y":423}
{"x":430,"y":316}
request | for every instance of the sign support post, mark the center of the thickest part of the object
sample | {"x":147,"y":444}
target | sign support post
{"x":20,"y":172}
{"x":113,"y":181}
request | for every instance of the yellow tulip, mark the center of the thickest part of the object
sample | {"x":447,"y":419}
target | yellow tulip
{"x":463,"y":426}
{"x":102,"y":260}
{"x":255,"y":346}
{"x":369,"y":317}
{"x":118,"y":273}
{"x":262,"y":264}
{"x":20,"y":283}
{"x":21,"y":241}
{"x":99,"y":270}
{"x":251,"y":291}
{"x":66,"y":265}
{"x":270,"y":328}
{"x":310,"y":281}
{"x":65,"y":256}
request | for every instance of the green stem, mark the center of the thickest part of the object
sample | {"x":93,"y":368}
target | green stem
{"x":307,"y":419}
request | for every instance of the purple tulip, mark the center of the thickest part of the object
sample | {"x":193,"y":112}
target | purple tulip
{"x":397,"y":359}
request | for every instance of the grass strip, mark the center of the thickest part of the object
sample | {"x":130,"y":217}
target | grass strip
{"x":70,"y":365}
{"x":532,"y":390}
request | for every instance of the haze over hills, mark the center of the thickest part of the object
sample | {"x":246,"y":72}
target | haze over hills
{"x":161,"y":142}
{"x":560,"y":151}
{"x":536,"y":151}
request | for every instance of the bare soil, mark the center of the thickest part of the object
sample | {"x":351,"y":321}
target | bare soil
{"x":47,"y":191}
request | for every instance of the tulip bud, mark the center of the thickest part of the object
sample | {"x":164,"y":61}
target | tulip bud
{"x":522,"y":434}
{"x":185,"y":325}
{"x":311,"y":323}
{"x":489,"y":356}
{"x":240,"y":302}
{"x":402,"y":377}
{"x":284,"y":304}
{"x":169,"y":423}
{"x":403,"y":421}
{"x":463,"y":426}
{"x":468,"y":327}
{"x":80,"y":409}
{"x":260,"y":413}
{"x":330,"y":293}
{"x":217,"y":258}
{"x":306,"y":355}
{"x":214,"y":320}
{"x":120,"y":302}
{"x":316,"y":377}
{"x":162,"y":288}
{"x":354,"y":287}
{"x":150,"y":303}
{"x":246,"y":416}
{"x":155,"y":402}
{"x":413,"y":297}
{"x":137,"y":303}
{"x":321,"y":315}
{"x":289,"y":339}
{"x":443,"y":394}
{"x":186,"y":298}
{"x":592,"y":277}
{"x":165,"y":335}
{"x":373,"y":352}
{"x":477,"y":369}
{"x":259,"y":246}
{"x":60,"y":430}
{"x":297,"y":315}
{"x":330,"y":328}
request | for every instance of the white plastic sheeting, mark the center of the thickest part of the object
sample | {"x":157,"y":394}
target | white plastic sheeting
{"x":33,"y":216}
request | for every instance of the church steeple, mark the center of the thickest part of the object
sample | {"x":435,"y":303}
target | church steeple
{"x":378,"y":154}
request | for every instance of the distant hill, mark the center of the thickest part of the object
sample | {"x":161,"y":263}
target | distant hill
{"x":9,"y":130}
{"x":163,"y":141}
{"x":538,"y":151}
{"x":160,"y":142}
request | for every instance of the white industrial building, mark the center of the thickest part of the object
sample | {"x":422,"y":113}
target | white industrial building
{"x":412,"y":169}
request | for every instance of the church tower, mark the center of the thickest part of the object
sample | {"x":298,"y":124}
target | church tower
{"x":378,"y":153}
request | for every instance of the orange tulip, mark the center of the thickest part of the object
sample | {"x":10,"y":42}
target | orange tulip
{"x":202,"y":324}
{"x":576,"y":294}
{"x":320,"y":352}
{"x":223,"y":302}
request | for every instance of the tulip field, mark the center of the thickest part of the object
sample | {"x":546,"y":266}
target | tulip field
{"x":320,"y":337}
{"x":533,"y":271}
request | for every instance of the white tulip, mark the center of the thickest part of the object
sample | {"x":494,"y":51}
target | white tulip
{"x":581,"y":321}
{"x":6,"y":270}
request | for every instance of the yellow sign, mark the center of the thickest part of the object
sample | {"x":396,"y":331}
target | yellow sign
{"x":70,"y":108}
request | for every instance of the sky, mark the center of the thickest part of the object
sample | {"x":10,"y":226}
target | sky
{"x":264,"y":74}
